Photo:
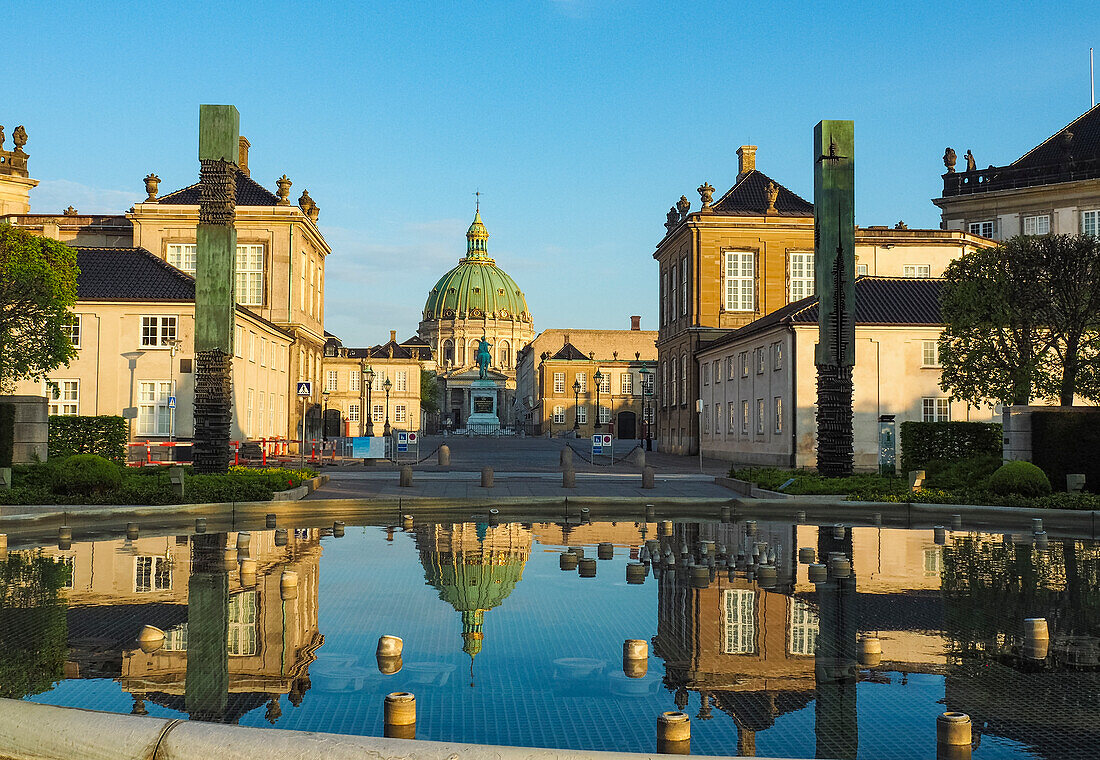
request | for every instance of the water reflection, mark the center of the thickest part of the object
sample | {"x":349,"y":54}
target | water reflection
{"x":767,"y":660}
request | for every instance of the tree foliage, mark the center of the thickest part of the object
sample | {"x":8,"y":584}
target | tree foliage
{"x":429,"y":391}
{"x":37,"y":288}
{"x":33,"y":627}
{"x":1023,"y":321}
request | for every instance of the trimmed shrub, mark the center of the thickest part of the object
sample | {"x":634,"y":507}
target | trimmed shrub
{"x":923,"y":442}
{"x":1065,"y":442}
{"x":961,"y":474}
{"x":1020,"y":479}
{"x":87,"y":474}
{"x":7,"y":434}
{"x":104,"y":436}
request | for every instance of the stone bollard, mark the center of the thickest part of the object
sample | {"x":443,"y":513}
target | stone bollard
{"x":389,"y":646}
{"x":839,"y":567}
{"x":280,"y":537}
{"x":578,"y":550}
{"x":800,"y":516}
{"x":870,"y":651}
{"x":666,"y":527}
{"x":486,"y":477}
{"x":673,"y":733}
{"x":605,"y":550}
{"x":565,"y":458}
{"x":635,"y":573}
{"x":1075,"y":482}
{"x":1041,"y":540}
{"x":388,"y":666}
{"x":288,"y":585}
{"x":953,"y":736}
{"x":725,"y":513}
{"x":399,"y":716}
{"x":650,"y":513}
{"x":700,"y":576}
{"x":806,"y":555}
{"x":3,"y":546}
{"x":1036,"y":524}
{"x":244,"y":539}
{"x":939,"y":534}
{"x":407,"y":523}
{"x":876,"y":519}
{"x":568,"y":478}
{"x":406,"y":476}
{"x":956,"y":522}
{"x":271,"y":520}
{"x":248,"y":572}
{"x":200,"y":524}
{"x":587,"y":567}
{"x":648,"y":477}
{"x":639,"y":458}
{"x":1036,"y":638}
{"x":444,"y":454}
{"x":818,"y":574}
{"x":567,"y":561}
{"x":338,"y":529}
{"x":750,"y":527}
{"x":635,"y":658}
{"x":176,"y":477}
{"x":132,"y":531}
{"x":767,"y":576}
{"x":838,"y":532}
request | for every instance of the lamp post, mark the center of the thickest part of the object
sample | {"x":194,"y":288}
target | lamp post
{"x":324,"y":419}
{"x":576,"y":404}
{"x":598,"y":377}
{"x":173,"y":346}
{"x":130,"y":412}
{"x":369,"y":375}
{"x":386,"y":387}
{"x":647,"y":392}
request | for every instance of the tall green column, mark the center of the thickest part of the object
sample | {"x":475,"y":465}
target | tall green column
{"x":215,"y":261}
{"x":834,"y":272}
{"x":206,"y":688}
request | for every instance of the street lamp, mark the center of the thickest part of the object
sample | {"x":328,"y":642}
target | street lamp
{"x":386,"y":387}
{"x":576,"y":404}
{"x":173,"y":346}
{"x":324,"y":418}
{"x":599,"y":379}
{"x":369,"y":375}
{"x":647,"y":393}
{"x":130,"y":412}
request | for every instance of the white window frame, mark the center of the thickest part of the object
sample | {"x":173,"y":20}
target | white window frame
{"x":744,"y":417}
{"x":238,"y":341}
{"x":158,"y":329}
{"x":582,"y":378}
{"x":582,"y":414}
{"x":743,"y":363}
{"x":672,"y":288}
{"x":683,"y":378}
{"x":777,"y":356}
{"x":626,"y":384}
{"x":683,"y":287}
{"x":800,"y":275}
{"x":777,"y":408}
{"x":64,"y":396}
{"x":353,"y":411}
{"x":332,"y":381}
{"x":739,"y":279}
{"x":400,"y":414}
{"x":1090,"y":222}
{"x":985,"y":228}
{"x":739,"y":621}
{"x":861,"y":270}
{"x":71,"y":328}
{"x":559,"y":383}
{"x":154,"y":416}
{"x":604,"y":414}
{"x":761,"y":417}
{"x":917,"y":271}
{"x":242,"y":632}
{"x":732,"y":410}
{"x":1036,"y":224}
{"x":605,"y":382}
{"x":353,"y":380}
{"x":156,"y":575}
{"x":718,"y":419}
{"x":378,"y":414}
{"x":559,"y":415}
{"x":804,"y":627}
{"x":248,"y":413}
{"x":930,"y":353}
{"x":182,"y":256}
{"x":401,"y":381}
{"x":935,"y":409}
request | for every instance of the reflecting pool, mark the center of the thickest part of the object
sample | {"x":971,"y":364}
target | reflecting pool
{"x":505,"y":641}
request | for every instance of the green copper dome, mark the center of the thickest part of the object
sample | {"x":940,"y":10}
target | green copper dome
{"x":477,"y":288}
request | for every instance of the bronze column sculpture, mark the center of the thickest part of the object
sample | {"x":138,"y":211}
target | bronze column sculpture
{"x":216,"y":249}
{"x":834,"y":272}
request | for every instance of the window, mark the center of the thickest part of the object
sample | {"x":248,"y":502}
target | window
{"x":861,"y":270}
{"x":760,"y":363}
{"x":664,"y":383}
{"x":248,"y":414}
{"x":800,"y":270}
{"x":448,"y":352}
{"x":729,"y":368}
{"x":559,"y":415}
{"x":933,"y":562}
{"x":626,"y":384}
{"x":802,"y":635}
{"x":400,"y":413}
{"x":64,"y":396}
{"x":605,"y":414}
{"x":353,"y":381}
{"x":238,"y":341}
{"x":760,"y":416}
{"x":920,"y":271}
{"x":71,"y":328}
{"x":717,"y":371}
{"x":777,"y":357}
{"x":683,"y":378}
{"x":739,"y":281}
{"x":379,"y":380}
{"x":605,"y":383}
{"x":985,"y":229}
{"x":744,"y":418}
{"x":401,"y":381}
{"x":304,"y":261}
{"x":1090,"y":222}
{"x":743,"y":362}
{"x":582,"y":415}
{"x":672,"y":282}
{"x":182,"y":256}
{"x":301,"y":364}
{"x":250,"y":275}
{"x":683,"y":286}
{"x":732,"y":417}
{"x":154,"y":416}
{"x":1037,"y":225}
{"x":152,"y":574}
{"x":647,"y":414}
{"x":559,"y":382}
{"x":930,"y":353}
{"x":935,"y":410}
{"x":647,"y":383}
{"x":778,"y":406}
{"x":332,"y":381}
{"x":378,"y":413}
{"x":582,"y":378}
{"x":271,"y":414}
{"x":252,"y":346}
{"x":157,"y":331}
{"x":312,"y":286}
{"x":664,"y":297}
{"x":706,"y":424}
{"x":69,"y":561}
{"x":505,"y":354}
{"x":672,"y":384}
{"x":740,"y":621}
{"x":242,"y":624}
{"x":718,"y":419}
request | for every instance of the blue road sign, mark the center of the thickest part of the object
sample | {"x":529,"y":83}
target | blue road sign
{"x":305,"y":388}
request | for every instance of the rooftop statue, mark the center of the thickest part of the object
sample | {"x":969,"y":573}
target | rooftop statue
{"x":949,"y":160}
{"x":971,"y":166}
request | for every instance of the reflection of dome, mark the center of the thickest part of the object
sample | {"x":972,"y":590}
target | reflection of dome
{"x":477,"y":288}
{"x":474,"y":567}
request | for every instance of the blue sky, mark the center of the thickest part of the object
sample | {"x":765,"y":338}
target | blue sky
{"x":581,"y":122}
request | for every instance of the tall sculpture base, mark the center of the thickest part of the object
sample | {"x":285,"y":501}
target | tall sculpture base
{"x":834,"y":421}
{"x":213,"y":411}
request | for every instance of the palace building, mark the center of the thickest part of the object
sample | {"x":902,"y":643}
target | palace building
{"x":476,"y":299}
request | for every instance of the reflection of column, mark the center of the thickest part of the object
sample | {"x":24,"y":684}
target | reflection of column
{"x":207,"y":684}
{"x":746,"y":742}
{"x":835,"y":661}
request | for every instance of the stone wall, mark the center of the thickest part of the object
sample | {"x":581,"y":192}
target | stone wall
{"x":32,"y":428}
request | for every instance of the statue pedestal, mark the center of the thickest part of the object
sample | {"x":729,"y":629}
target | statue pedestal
{"x":482,"y":416}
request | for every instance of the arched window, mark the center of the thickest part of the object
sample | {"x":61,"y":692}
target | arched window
{"x":448,"y":352}
{"x":505,"y":354}
{"x":471,"y":347}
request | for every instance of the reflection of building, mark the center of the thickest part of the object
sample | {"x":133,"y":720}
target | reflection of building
{"x":627,"y":534}
{"x":120,"y":586}
{"x":474,"y":567}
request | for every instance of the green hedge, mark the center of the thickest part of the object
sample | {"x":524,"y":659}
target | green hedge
{"x":7,"y":434}
{"x":1065,"y":442}
{"x":1019,"y":479}
{"x":923,"y":442}
{"x":103,"y":436}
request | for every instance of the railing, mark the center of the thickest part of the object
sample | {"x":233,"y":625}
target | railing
{"x":1010,"y":178}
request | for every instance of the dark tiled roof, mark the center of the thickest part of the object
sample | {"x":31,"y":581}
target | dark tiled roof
{"x":879,"y":301}
{"x":382,"y":351}
{"x":1084,"y":144}
{"x":569,"y":352}
{"x":415,"y":340}
{"x":749,"y":196}
{"x":129,"y":274}
{"x":249,"y":193}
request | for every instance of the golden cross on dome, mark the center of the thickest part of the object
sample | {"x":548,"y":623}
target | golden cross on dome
{"x":477,"y":203}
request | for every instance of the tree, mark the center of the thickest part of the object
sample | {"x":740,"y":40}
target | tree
{"x":37,"y":288}
{"x":994,"y":344}
{"x":429,"y":391}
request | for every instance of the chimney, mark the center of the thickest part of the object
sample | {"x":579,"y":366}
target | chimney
{"x":746,"y":160}
{"x":393,"y":336}
{"x":564,"y":338}
{"x":242,"y":155}
{"x":635,"y":323}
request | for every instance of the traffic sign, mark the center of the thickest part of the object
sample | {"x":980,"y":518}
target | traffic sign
{"x":305,"y":388}
{"x":412,"y":437}
{"x":402,"y":441}
{"x":171,"y":402}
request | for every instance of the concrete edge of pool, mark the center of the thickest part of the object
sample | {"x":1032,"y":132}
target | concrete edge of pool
{"x":65,"y":733}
